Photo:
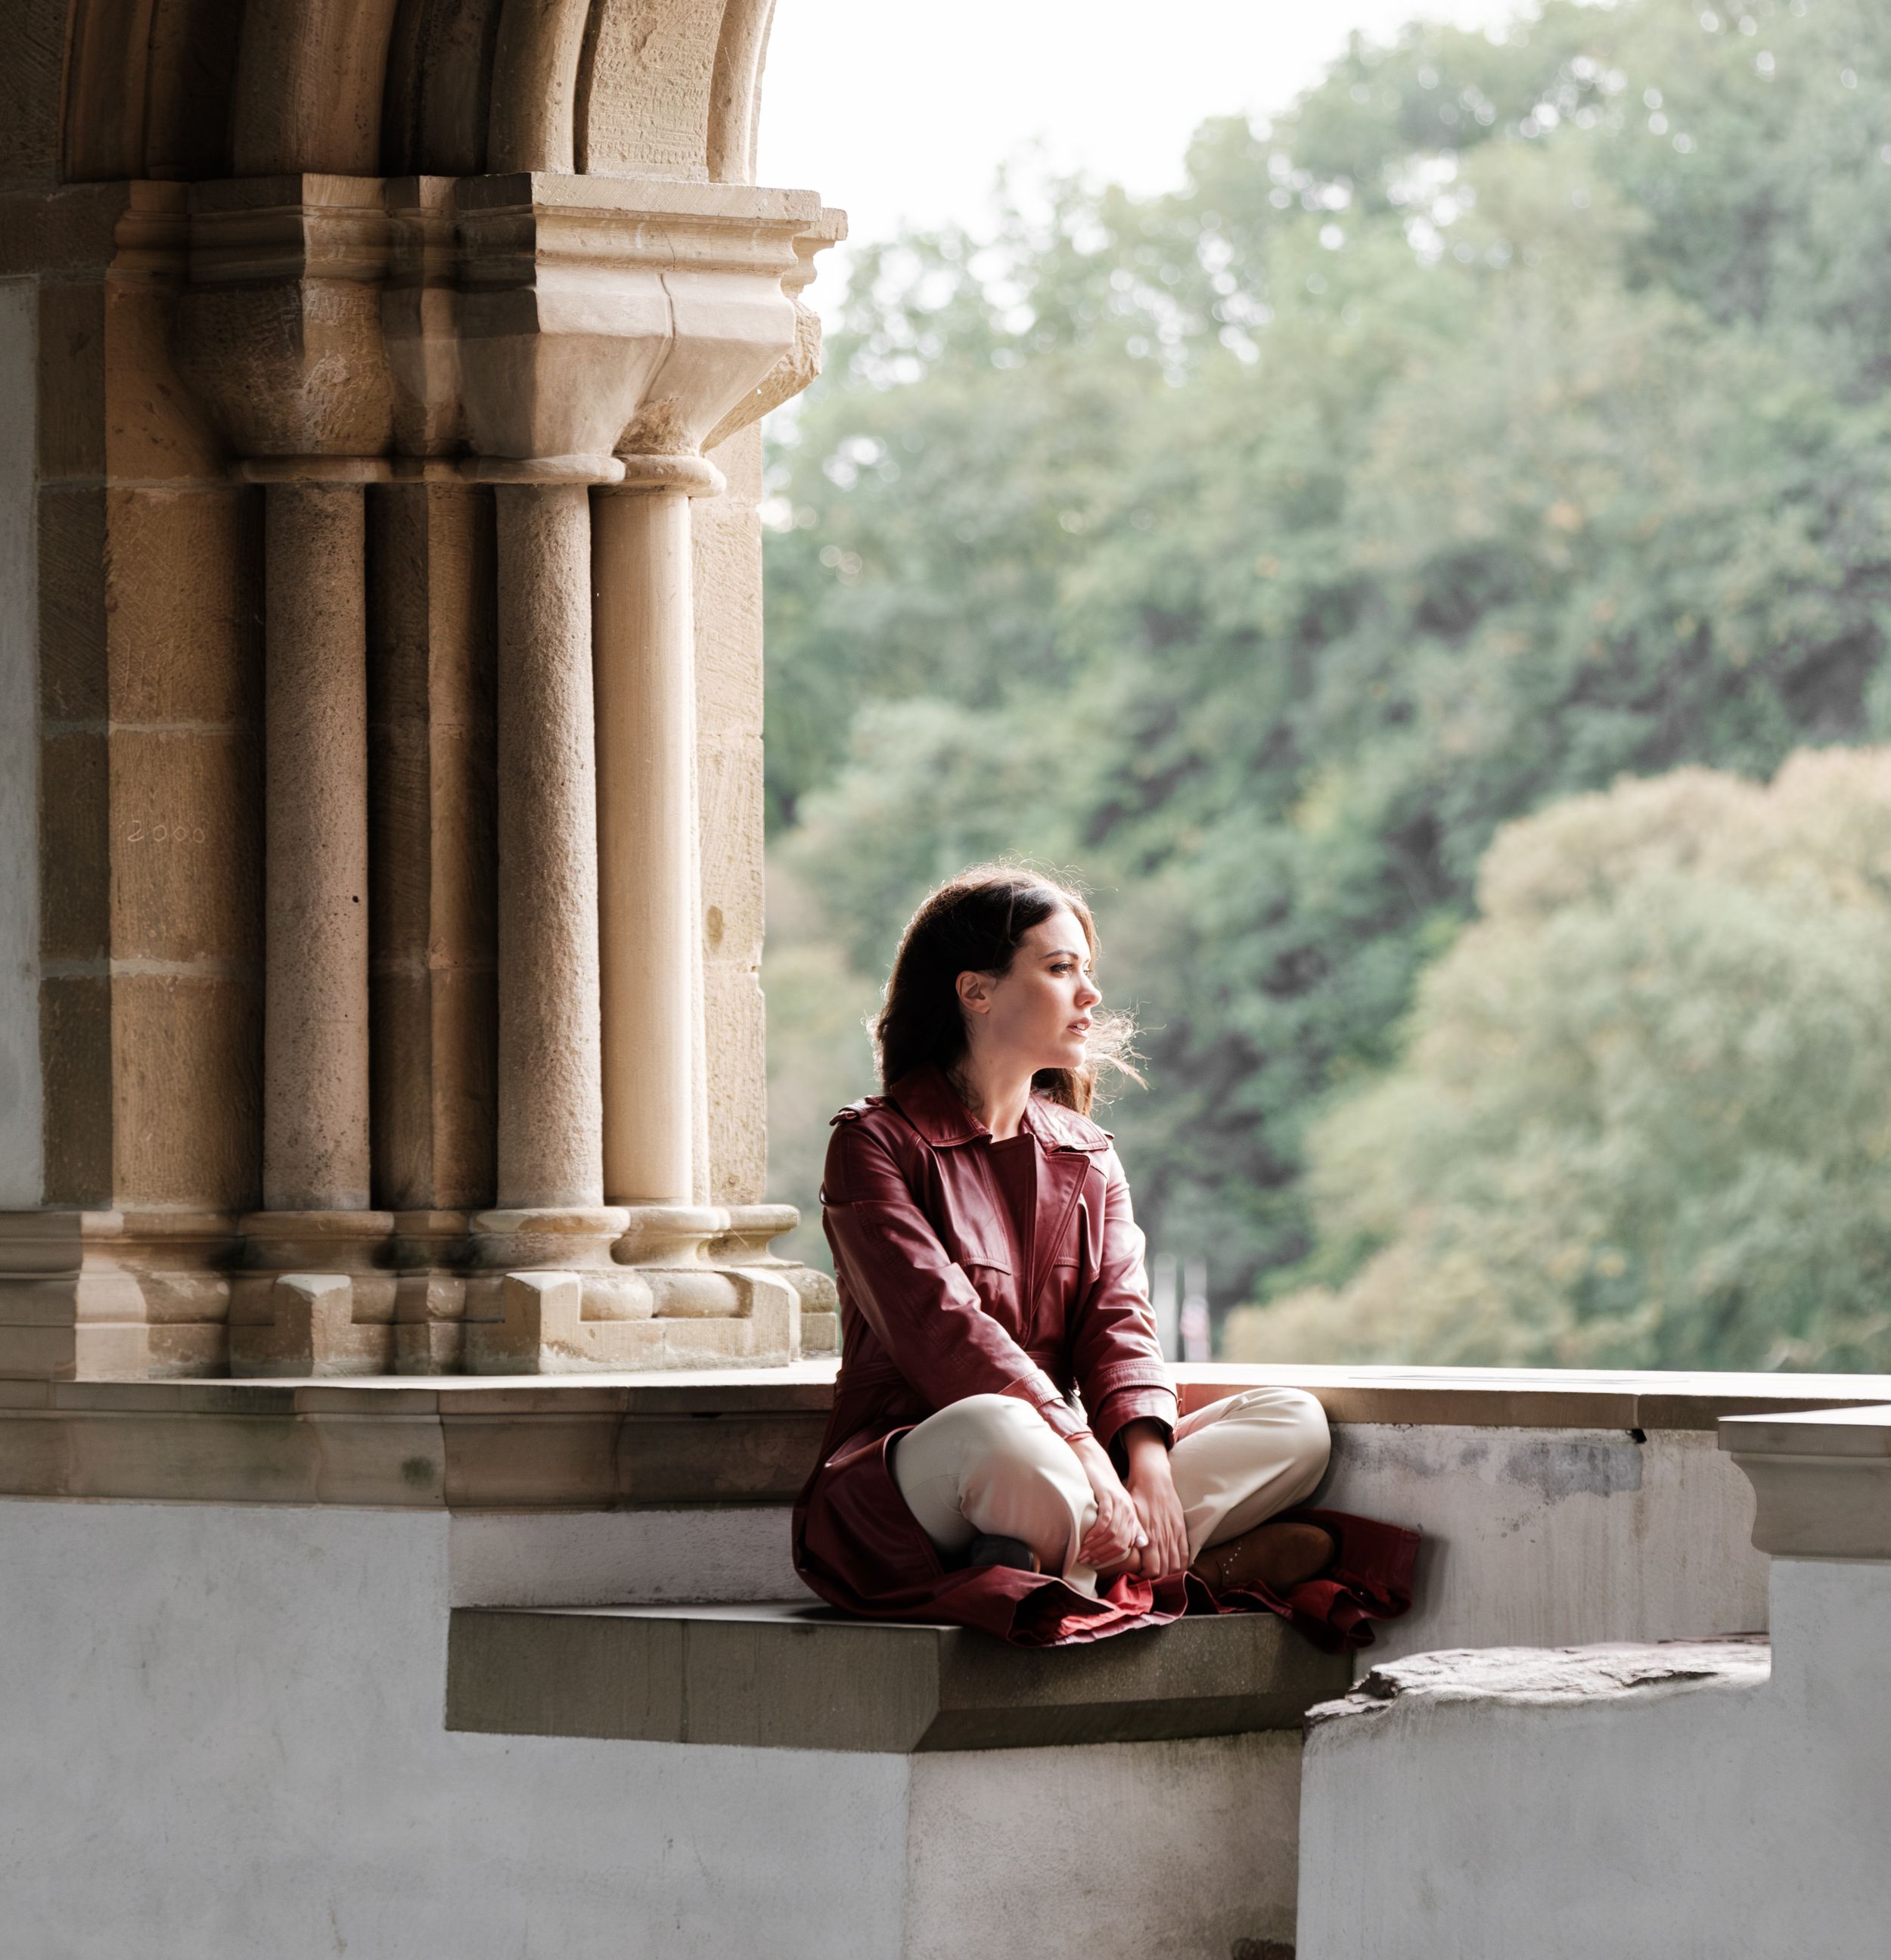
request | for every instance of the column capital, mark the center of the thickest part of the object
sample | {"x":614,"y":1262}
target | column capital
{"x":606,"y":316}
{"x":359,"y":330}
{"x":281,"y":323}
{"x":801,"y":365}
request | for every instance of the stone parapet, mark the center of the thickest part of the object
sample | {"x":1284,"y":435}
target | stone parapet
{"x":606,"y":1444}
{"x":747,"y":1435}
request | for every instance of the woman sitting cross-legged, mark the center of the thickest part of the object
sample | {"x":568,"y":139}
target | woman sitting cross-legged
{"x":991,"y":1271}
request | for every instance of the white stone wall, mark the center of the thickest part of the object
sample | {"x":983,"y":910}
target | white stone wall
{"x":1552,"y":1537}
{"x":1726,"y":1822}
{"x":21,"y":1167}
{"x":221,"y":1736}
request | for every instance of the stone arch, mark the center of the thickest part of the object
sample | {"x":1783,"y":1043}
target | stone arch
{"x":186,"y":89}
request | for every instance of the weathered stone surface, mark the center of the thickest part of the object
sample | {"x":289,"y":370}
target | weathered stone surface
{"x":648,"y":106}
{"x":188,"y":1114}
{"x":1547,"y":1675}
{"x":550,"y":1093}
{"x":433,"y":868}
{"x":312,"y":1331}
{"x":184,"y":597}
{"x":316,"y":1083}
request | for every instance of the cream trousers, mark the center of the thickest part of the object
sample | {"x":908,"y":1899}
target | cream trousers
{"x":991,"y":1464}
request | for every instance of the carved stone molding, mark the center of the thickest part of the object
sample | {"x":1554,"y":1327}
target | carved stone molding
{"x":280,"y":328}
{"x":800,"y":367}
{"x":1821,"y":1479}
{"x":598,"y":315}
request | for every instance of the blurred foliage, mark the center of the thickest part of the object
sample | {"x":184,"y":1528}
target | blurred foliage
{"x":1645,"y":1118}
{"x":1509,"y":416}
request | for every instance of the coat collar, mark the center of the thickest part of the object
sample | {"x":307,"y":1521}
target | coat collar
{"x":931,"y":1105}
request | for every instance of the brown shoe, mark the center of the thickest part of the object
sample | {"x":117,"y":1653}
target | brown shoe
{"x":1276,"y":1556}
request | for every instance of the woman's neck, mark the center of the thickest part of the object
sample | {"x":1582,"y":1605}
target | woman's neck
{"x":996,"y":1092}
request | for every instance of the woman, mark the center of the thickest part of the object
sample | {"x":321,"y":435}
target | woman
{"x":989,"y":1266}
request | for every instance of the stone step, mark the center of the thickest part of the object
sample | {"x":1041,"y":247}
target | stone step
{"x":795,"y":1676}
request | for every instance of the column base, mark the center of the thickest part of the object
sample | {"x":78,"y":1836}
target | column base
{"x":641,"y":1287}
{"x":108,"y":1295}
{"x":751,"y":1227}
{"x":314,"y":1296}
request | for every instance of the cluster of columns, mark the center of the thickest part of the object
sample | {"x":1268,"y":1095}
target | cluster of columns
{"x":601,"y":1151}
{"x":599,"y":1077}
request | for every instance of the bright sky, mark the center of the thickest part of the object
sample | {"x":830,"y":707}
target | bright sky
{"x":897,"y":110}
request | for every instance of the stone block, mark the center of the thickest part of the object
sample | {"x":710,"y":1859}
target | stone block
{"x":736,"y":1036}
{"x":75,"y":846}
{"x":312,"y":1331}
{"x":805,"y":1677}
{"x":707,"y":1456}
{"x":498,"y":1460}
{"x":650,"y":78}
{"x":72,"y":379}
{"x":547,"y":1326}
{"x":186,"y":851}
{"x":728,"y":569}
{"x":188,"y":1061}
{"x":155,"y":426}
{"x":730,"y":796}
{"x":183,"y":592}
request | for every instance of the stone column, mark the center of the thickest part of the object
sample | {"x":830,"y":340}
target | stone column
{"x":650,"y":903}
{"x":599,"y":346}
{"x":314,"y":1066}
{"x":550,"y":1097}
{"x":281,"y":331}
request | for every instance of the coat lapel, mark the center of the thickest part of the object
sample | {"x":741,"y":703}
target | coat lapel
{"x":1061,"y":1171}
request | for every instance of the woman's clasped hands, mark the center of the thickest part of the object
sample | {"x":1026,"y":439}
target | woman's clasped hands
{"x":1140,"y":1527}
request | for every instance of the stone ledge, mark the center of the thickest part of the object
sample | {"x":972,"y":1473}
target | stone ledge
{"x":1822,"y":1481}
{"x":698,"y":1436}
{"x":789,"y":1676}
{"x":1537,"y":1398}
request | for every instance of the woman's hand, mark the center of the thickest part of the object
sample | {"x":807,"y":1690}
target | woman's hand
{"x":1152,"y":1486}
{"x":1115,"y":1541}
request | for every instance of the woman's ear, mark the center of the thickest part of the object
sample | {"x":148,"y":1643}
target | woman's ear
{"x":975,"y":992}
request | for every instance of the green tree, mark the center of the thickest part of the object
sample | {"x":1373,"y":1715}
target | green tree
{"x":1645,"y":1117}
{"x":1508,"y":416}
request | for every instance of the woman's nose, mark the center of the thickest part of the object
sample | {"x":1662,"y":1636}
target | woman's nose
{"x":1089,"y":995}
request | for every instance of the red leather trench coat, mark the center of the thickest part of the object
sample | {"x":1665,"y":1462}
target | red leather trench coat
{"x":962,"y":1272}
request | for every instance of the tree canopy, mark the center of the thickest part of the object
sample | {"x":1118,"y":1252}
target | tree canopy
{"x":1507,"y":417}
{"x":1644,"y":1120}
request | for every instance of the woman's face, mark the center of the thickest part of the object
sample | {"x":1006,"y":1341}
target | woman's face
{"x":1036,"y":1015}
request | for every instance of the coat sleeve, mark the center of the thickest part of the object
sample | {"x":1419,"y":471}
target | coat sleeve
{"x":1118,"y":1363}
{"x":916,"y":1298}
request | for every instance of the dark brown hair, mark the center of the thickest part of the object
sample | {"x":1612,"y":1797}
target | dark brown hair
{"x":974,"y":923}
